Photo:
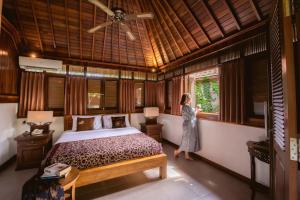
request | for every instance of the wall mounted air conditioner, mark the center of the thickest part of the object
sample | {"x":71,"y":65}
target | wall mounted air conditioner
{"x":39,"y":64}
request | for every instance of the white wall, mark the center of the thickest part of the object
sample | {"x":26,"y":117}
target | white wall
{"x":8,"y":113}
{"x":222,"y":143}
{"x":10,"y":127}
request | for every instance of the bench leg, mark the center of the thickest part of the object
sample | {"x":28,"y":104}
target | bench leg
{"x":163,"y":172}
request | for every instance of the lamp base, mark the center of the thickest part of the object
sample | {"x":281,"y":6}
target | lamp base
{"x":151,"y":120}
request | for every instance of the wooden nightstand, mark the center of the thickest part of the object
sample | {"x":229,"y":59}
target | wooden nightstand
{"x":31,"y":150}
{"x":152,"y":130}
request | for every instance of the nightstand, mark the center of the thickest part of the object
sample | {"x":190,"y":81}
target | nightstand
{"x":31,"y":149}
{"x":152,"y":130}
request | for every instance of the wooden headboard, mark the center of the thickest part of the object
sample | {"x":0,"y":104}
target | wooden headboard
{"x":68,"y":121}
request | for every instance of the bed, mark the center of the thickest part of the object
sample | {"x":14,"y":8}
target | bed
{"x":107,"y":153}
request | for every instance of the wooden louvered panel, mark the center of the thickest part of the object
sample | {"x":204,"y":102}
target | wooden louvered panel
{"x":276,"y":81}
{"x":56,"y":92}
{"x":110,"y":95}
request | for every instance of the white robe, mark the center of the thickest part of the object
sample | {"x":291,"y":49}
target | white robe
{"x":190,"y":139}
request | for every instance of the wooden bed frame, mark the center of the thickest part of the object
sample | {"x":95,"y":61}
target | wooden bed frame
{"x":123,"y":168}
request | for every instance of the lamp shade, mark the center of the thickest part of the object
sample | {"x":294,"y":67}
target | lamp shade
{"x":151,"y":111}
{"x":39,"y":116}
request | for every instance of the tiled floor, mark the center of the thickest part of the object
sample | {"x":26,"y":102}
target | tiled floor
{"x":187,"y":180}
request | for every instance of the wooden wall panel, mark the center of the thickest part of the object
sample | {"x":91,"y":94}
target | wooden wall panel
{"x":8,"y":67}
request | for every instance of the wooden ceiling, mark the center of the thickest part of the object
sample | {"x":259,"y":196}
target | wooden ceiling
{"x":58,"y":28}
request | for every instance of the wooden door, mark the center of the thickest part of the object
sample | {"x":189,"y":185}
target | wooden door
{"x":283,"y":103}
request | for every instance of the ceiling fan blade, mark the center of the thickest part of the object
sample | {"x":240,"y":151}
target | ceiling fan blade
{"x":127,"y":30}
{"x":102,"y":6}
{"x":139,"y":16}
{"x":92,"y":30}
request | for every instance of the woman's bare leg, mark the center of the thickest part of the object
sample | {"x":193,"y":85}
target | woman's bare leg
{"x":176,"y":153}
{"x":187,"y":156}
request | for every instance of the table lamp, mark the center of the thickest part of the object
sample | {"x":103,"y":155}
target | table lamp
{"x":39,"y":120}
{"x":151,"y":114}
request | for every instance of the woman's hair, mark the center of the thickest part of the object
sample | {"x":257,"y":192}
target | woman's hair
{"x":184,"y":98}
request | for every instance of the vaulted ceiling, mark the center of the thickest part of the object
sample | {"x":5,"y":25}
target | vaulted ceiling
{"x":58,"y":28}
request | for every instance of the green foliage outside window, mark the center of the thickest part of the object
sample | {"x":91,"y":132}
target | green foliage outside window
{"x":207,"y":95}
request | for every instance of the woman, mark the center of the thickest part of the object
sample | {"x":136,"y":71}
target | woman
{"x":190,"y":139}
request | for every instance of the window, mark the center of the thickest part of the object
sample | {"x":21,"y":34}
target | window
{"x":256,"y":87}
{"x":56,"y":93}
{"x":94,"y":95}
{"x":76,"y":70}
{"x":139,"y":94}
{"x":139,"y":75}
{"x":110,"y":95}
{"x":205,"y":90}
{"x":101,"y":72}
{"x":102,"y":94}
{"x":169,"y":94}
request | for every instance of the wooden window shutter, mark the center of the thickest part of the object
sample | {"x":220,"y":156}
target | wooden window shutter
{"x":94,"y":95}
{"x":56,"y":92}
{"x":110,"y":96}
{"x":276,"y":80}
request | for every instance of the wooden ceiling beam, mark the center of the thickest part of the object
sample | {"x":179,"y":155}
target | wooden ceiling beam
{"x":196,"y":21}
{"x":130,"y":26}
{"x":51,"y":22}
{"x":67,"y":25}
{"x":165,"y":58}
{"x":174,"y":26}
{"x":255,"y":10}
{"x":105,"y":33}
{"x":123,"y":6}
{"x":1,"y":5}
{"x":148,"y":36}
{"x":195,"y":41}
{"x":239,"y":36}
{"x":16,"y":5}
{"x":163,"y":33}
{"x":212,"y":16}
{"x":94,"y":24}
{"x":137,"y":27}
{"x":119,"y":35}
{"x":36,"y":25}
{"x":80,"y":28}
{"x":96,"y":63}
{"x":233,"y":15}
{"x":167,"y":27}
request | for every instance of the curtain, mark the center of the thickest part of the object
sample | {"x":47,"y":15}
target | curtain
{"x":160,"y":95}
{"x":31,"y":93}
{"x":75,"y":96}
{"x":232,"y":92}
{"x":127,"y":96}
{"x":150,"y":93}
{"x":177,"y":91}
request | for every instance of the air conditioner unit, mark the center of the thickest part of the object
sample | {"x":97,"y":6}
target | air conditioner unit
{"x":39,"y":64}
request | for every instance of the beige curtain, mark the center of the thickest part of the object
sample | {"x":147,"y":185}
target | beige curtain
{"x":31,"y":93}
{"x":177,"y":91}
{"x":75,"y":96}
{"x":150,"y":93}
{"x":126,"y":96}
{"x":160,"y":95}
{"x":232,"y":92}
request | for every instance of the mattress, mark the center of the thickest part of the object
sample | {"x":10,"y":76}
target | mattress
{"x":88,"y":149}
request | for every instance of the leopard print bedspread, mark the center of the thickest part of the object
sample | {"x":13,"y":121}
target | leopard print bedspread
{"x":103,"y":151}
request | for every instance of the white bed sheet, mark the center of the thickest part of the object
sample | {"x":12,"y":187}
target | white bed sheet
{"x":69,"y":136}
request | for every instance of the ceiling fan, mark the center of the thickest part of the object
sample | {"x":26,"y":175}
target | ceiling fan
{"x":118,"y":15}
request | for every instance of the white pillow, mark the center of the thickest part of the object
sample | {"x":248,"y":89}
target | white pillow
{"x":97,"y":121}
{"x":107,"y":120}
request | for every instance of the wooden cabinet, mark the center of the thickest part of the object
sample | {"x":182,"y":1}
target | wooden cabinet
{"x":31,"y":150}
{"x":152,"y":130}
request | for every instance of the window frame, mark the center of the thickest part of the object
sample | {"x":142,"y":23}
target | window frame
{"x":103,"y":109}
{"x":139,"y":109}
{"x":167,"y":106}
{"x":208,"y":115}
{"x":56,"y":111}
